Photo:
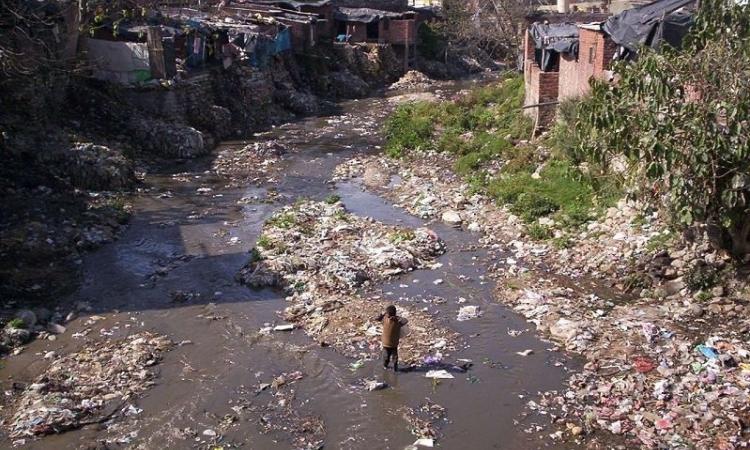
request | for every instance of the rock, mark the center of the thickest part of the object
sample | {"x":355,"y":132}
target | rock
{"x":28,"y":317}
{"x":696,"y":310}
{"x":452,"y":218}
{"x":474,"y":227}
{"x":376,"y":176}
{"x":674,"y":287}
{"x":43,"y":314}
{"x":347,"y":85}
{"x":16,"y":336}
{"x":576,"y":431}
{"x":55,"y":328}
{"x":718,"y":291}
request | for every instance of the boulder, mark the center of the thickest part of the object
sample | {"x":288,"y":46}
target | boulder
{"x":452,"y":218}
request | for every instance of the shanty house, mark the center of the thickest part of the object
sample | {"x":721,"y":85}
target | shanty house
{"x":592,"y":60}
{"x":375,"y":26}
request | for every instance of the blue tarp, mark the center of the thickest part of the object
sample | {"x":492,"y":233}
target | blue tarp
{"x":283,"y":41}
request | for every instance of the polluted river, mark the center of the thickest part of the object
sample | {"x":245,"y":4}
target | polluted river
{"x":226,"y":384}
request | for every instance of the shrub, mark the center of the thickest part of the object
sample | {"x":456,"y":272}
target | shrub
{"x":701,"y":277}
{"x":538,"y":232}
{"x":332,"y":199}
{"x":17,"y":323}
{"x":680,"y":117}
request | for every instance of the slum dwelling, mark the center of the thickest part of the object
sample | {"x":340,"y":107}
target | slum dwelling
{"x":564,"y":52}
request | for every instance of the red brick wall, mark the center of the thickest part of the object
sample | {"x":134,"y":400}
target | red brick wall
{"x":540,"y":87}
{"x":397,"y":31}
{"x":594,"y":57}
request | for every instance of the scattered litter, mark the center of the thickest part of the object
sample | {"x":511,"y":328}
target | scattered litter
{"x":285,"y":327}
{"x":526,"y":352}
{"x":468,"y":312}
{"x":439,"y":374}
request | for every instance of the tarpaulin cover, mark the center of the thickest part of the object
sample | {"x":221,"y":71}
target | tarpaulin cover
{"x":293,"y":4}
{"x":546,"y":35}
{"x":551,"y":39}
{"x":124,"y":62}
{"x":283,"y":41}
{"x":364,"y":15}
{"x":642,"y":26}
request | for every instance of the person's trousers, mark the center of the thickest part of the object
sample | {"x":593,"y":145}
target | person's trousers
{"x":388,"y":354}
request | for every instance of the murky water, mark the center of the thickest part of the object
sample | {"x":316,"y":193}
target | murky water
{"x":197,"y":243}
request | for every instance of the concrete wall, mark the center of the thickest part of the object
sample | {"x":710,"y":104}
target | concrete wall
{"x":594,"y":57}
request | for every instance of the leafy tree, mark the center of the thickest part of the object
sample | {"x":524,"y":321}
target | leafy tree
{"x":682,"y":117}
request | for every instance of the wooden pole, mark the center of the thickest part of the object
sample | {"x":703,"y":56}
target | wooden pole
{"x":156,"y":54}
{"x":406,"y":48}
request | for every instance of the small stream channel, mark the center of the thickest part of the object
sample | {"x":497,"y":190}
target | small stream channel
{"x":192,"y":236}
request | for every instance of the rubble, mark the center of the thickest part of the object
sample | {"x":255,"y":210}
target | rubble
{"x":89,"y":386}
{"x":412,"y":80}
{"x":322,"y":255}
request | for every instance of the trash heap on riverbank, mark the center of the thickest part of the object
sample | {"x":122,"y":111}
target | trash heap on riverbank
{"x":322,"y":256}
{"x":667,"y":356}
{"x":89,"y":386}
{"x":412,"y":80}
{"x":253,"y":163}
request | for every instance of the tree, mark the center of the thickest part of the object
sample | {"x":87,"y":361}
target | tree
{"x":491,"y":25}
{"x":682,"y":117}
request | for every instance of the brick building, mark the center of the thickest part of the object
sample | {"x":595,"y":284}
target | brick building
{"x":549,"y":39}
{"x":595,"y":53}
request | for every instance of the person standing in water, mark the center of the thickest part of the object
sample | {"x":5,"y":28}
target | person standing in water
{"x":392,"y":325}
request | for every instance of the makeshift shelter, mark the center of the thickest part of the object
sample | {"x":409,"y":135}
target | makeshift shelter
{"x":552,"y":39}
{"x":650,"y":25}
{"x":374,"y":25}
{"x":122,"y":62}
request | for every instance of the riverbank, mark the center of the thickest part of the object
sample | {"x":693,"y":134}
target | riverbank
{"x":661,"y":318}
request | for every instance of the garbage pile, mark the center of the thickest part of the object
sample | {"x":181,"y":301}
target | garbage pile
{"x":95,"y":167}
{"x":667,"y":351}
{"x":645,"y":377}
{"x":430,"y":190}
{"x":314,"y":245}
{"x":279,"y":415}
{"x":255,"y":162}
{"x":89,"y":386}
{"x":322,"y":255}
{"x":424,"y":422}
{"x":412,"y":80}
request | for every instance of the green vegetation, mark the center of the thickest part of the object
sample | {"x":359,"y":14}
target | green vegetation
{"x":16,"y":323}
{"x":538,"y":232}
{"x":255,"y":255}
{"x":284,"y":221}
{"x":701,"y":277}
{"x":659,"y":241}
{"x":332,"y":199}
{"x":264,"y":242}
{"x":402,"y":236}
{"x":485,"y":126}
{"x":680,"y":117}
